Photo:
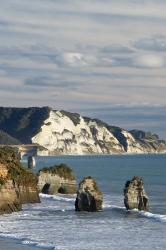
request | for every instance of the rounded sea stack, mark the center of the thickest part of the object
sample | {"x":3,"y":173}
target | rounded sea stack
{"x":135,"y":196}
{"x":57,"y":179}
{"x":89,"y":197}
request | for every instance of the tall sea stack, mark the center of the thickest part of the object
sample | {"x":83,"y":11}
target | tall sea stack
{"x":135,"y":196}
{"x":89,"y":197}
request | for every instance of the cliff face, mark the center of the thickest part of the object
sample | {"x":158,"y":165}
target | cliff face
{"x":67,"y":133}
{"x":17,"y":185}
{"x":9,"y":198}
{"x":57,"y":179}
{"x":61,"y":132}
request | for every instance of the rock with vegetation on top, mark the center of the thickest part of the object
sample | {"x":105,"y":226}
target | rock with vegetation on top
{"x":57,"y":179}
{"x":135,"y":196}
{"x":89,"y":197}
{"x":17,"y":185}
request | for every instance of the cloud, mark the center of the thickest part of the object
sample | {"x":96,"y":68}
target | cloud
{"x":79,"y":54}
{"x":3,"y":24}
{"x":50,"y":82}
{"x":19,"y":89}
{"x":149,"y":61}
{"x":155,"y":43}
{"x":136,"y":60}
{"x":75,"y":59}
{"x":117,"y":49}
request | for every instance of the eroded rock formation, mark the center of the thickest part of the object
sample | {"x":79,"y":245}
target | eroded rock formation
{"x":57,"y":179}
{"x":17,"y":185}
{"x":89,"y":197}
{"x":135,"y":195}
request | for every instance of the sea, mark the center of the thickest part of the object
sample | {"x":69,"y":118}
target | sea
{"x":54,"y":224}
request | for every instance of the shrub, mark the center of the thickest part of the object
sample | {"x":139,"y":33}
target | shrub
{"x":61,"y":170}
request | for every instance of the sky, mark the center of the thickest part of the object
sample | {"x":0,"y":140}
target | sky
{"x":103,"y":59}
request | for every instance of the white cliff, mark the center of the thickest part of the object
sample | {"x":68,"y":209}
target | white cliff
{"x":59,"y":134}
{"x":67,"y":133}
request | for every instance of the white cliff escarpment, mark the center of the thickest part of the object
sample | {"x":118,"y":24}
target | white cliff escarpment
{"x":67,"y":133}
{"x":59,"y":134}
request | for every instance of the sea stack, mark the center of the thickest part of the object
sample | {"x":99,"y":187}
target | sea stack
{"x":135,"y":196}
{"x":31,"y":162}
{"x":57,"y":179}
{"x":89,"y":197}
{"x":17,"y":185}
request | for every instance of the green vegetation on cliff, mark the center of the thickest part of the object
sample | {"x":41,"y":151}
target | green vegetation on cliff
{"x":10,"y":160}
{"x":61,"y":170}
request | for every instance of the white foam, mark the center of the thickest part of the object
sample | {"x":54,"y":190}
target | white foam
{"x":158,"y":217}
{"x":53,"y":224}
{"x":112,"y":206}
{"x":66,"y":198}
{"x":35,"y":243}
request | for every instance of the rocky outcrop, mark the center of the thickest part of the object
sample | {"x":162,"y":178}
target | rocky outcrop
{"x":61,"y":132}
{"x":31,"y":162}
{"x":135,"y":196}
{"x":57,"y":179}
{"x":17,"y":185}
{"x":150,"y":142}
{"x":89,"y":197}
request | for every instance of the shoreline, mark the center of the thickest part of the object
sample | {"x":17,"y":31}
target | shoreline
{"x":113,"y":154}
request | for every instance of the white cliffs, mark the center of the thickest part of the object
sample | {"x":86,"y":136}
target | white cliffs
{"x":61,"y":135}
{"x":60,"y":132}
{"x":69,"y":133}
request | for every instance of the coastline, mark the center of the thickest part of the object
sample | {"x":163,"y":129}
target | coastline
{"x":113,"y":154}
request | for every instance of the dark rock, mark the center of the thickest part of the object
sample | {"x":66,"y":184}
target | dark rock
{"x":138,"y":134}
{"x":31,"y":162}
{"x":89,"y":197}
{"x":73,"y":116}
{"x":135,"y":196}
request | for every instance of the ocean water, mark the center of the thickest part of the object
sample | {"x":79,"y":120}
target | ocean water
{"x":53,"y":224}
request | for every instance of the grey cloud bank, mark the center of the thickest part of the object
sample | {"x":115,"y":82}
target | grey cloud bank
{"x":85,"y":54}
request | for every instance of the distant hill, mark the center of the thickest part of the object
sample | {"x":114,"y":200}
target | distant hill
{"x":62,"y":132}
{"x":6,"y":139}
{"x":22,"y":123}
